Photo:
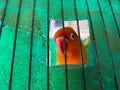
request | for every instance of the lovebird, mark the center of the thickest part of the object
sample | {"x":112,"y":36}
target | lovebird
{"x":72,"y":45}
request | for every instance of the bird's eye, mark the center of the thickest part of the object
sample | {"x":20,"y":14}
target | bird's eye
{"x":72,"y":36}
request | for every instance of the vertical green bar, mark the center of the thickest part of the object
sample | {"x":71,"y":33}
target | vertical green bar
{"x":113,"y":34}
{"x":21,"y":62}
{"x":39,"y":69}
{"x":91,"y":70}
{"x":6,"y":43}
{"x":57,"y":76}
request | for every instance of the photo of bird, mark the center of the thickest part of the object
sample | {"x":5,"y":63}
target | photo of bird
{"x":72,"y":47}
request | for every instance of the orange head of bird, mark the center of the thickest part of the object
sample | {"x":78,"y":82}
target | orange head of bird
{"x":69,"y":41}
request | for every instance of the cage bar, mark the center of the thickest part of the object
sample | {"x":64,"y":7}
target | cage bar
{"x":95,"y":46}
{"x":65,"y":58}
{"x":109,"y":48}
{"x":14,"y":45}
{"x":3,"y":17}
{"x":48,"y":28}
{"x":114,"y":18}
{"x":81,"y":54}
{"x":31,"y":45}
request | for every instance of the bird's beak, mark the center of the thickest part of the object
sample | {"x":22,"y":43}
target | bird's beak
{"x":60,"y":43}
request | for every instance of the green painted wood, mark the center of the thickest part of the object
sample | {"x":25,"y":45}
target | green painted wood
{"x":57,"y":73}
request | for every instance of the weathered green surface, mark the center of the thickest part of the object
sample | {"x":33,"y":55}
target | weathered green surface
{"x":57,"y":73}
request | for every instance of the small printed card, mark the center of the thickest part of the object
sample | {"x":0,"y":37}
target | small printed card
{"x":55,"y":25}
